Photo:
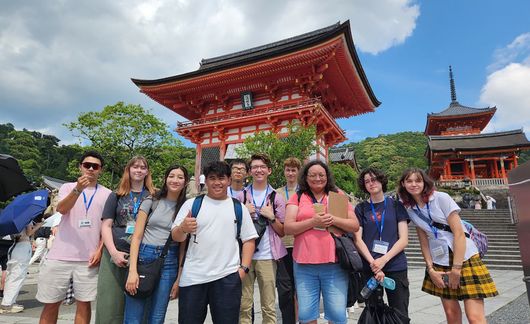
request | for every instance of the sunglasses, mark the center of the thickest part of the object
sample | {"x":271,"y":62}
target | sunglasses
{"x":88,"y":165}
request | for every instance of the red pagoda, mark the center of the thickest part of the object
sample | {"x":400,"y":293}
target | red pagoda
{"x":458,"y":150}
{"x":312,"y":79}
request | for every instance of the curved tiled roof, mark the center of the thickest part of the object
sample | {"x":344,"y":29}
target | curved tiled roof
{"x":508,"y":139}
{"x":456,"y":109}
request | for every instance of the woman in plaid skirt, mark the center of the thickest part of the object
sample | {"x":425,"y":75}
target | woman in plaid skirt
{"x":454,"y":269}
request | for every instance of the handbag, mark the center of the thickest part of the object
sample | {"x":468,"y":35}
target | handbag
{"x":149,"y":274}
{"x":347,"y":255}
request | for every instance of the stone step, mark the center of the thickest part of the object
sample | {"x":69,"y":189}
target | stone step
{"x":487,"y":262}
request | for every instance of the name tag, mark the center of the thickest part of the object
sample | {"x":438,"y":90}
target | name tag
{"x":85,"y":223}
{"x":380,"y":247}
{"x":438,"y":248}
{"x":129,"y":229}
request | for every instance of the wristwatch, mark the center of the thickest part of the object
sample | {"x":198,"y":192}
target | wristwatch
{"x":245,"y":268}
{"x":76,"y":191}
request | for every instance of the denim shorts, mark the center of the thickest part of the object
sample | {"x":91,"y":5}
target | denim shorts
{"x":328,"y":279}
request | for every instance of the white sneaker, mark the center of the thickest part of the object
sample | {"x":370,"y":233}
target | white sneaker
{"x":15,"y":308}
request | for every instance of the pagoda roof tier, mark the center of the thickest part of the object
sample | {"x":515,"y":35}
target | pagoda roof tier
{"x":458,"y":116}
{"x":322,"y":63}
{"x":467,"y":144}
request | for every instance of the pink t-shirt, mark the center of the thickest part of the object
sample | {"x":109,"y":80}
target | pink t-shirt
{"x":75,"y":243}
{"x":312,"y":246}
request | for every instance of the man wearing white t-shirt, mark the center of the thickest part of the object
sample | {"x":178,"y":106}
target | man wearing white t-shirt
{"x":213,"y":269}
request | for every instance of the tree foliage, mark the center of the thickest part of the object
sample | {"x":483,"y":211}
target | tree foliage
{"x":345,"y":178}
{"x":299,"y":143}
{"x":122,"y":131}
{"x":392,"y":153}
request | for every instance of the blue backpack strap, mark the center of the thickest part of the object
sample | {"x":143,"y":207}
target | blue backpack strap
{"x":238,"y":209}
{"x":197,"y":203}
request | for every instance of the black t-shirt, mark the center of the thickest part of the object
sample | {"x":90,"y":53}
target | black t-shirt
{"x":390,"y":230}
{"x":121,"y":211}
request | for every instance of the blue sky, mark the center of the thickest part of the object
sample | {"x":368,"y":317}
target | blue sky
{"x":62,"y":58}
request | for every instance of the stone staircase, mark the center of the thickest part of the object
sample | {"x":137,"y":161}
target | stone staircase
{"x":503,"y":251}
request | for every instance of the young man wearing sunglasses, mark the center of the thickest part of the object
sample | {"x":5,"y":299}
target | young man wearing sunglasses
{"x":76,"y":250}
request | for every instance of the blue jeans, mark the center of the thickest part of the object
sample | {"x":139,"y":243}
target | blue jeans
{"x":330,"y":280}
{"x":222,"y":295}
{"x":156,"y":305}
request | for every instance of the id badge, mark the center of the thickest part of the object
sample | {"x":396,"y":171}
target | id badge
{"x":438,"y":247}
{"x":85,"y":223}
{"x":129,"y":228}
{"x":380,"y":247}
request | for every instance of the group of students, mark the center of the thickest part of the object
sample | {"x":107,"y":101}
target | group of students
{"x":221,"y":242}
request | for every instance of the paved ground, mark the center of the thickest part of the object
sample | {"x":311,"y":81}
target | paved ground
{"x":511,"y":306}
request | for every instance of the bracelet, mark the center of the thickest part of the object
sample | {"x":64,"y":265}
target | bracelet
{"x":429,"y":267}
{"x":76,"y":191}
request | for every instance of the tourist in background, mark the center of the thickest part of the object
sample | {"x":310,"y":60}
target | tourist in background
{"x":454,"y":269}
{"x":284,"y":274}
{"x":119,"y":217}
{"x":151,"y":232}
{"x":17,"y":268}
{"x":382,"y":238}
{"x":316,"y":270}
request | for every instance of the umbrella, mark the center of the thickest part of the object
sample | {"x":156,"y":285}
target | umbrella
{"x":22,"y":210}
{"x":377,"y":312}
{"x":12,"y":180}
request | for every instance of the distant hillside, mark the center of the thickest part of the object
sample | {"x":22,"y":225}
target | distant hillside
{"x":392,"y":153}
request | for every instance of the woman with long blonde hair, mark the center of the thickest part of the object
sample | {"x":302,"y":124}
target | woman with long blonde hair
{"x":119,"y":218}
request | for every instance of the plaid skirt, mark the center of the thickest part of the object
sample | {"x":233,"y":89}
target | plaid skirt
{"x":475,"y":281}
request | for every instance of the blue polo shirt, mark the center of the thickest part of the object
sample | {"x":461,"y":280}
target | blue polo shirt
{"x":395,"y":213}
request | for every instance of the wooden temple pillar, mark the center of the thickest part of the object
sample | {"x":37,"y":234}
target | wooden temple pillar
{"x":472,"y":165}
{"x":503,"y":170}
{"x":198,"y":171}
{"x":496,"y":167}
{"x":514,"y":160}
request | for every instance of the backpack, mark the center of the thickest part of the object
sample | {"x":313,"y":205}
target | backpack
{"x":238,"y":209}
{"x":480,"y":239}
{"x":261,"y":222}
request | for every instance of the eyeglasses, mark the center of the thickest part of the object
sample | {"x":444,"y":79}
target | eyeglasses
{"x":88,"y":165}
{"x":242,"y":169}
{"x":371,"y":180}
{"x":317,"y":175}
{"x":258,"y":167}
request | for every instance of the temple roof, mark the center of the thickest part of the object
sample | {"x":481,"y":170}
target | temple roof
{"x":456,"y":109}
{"x":487,"y":141}
{"x":343,"y":155}
{"x":265,"y":52}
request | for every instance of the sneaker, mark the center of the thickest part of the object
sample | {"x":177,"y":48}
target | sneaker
{"x":15,"y":308}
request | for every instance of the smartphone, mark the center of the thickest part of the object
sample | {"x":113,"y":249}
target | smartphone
{"x":445,"y":278}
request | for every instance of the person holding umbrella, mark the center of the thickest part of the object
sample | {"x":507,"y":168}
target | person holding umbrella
{"x":17,"y":268}
{"x":77,"y":248}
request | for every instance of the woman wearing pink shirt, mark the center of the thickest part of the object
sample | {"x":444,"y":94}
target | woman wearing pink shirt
{"x":316,"y":269}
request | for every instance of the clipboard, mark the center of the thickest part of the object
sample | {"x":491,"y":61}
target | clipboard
{"x":337,"y":206}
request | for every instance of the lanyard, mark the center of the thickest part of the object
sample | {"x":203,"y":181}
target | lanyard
{"x":87,"y":207}
{"x":136,"y":203}
{"x":264,"y":198}
{"x":433,"y":229}
{"x":379,"y":227}
{"x":314,"y":200}
{"x":287,"y":192}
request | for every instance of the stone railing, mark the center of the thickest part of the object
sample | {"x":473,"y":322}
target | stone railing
{"x":490,"y":182}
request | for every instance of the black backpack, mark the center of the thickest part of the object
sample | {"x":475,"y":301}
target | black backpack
{"x":261,"y":222}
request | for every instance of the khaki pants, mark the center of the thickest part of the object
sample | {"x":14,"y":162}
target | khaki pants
{"x":265,"y":272}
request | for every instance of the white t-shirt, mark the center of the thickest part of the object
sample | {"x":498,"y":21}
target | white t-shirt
{"x":216,"y":253}
{"x":441,"y":205}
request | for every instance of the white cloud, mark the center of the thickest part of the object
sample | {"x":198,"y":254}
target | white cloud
{"x":508,"y":86}
{"x":60,"y":58}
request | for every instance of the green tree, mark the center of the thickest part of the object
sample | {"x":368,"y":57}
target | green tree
{"x":298,"y":143}
{"x":345,"y":178}
{"x":122,"y":131}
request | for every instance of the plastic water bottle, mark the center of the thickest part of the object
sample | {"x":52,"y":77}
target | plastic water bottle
{"x":367,"y":290}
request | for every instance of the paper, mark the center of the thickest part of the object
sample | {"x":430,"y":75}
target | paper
{"x":337,"y":206}
{"x":319,"y":208}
